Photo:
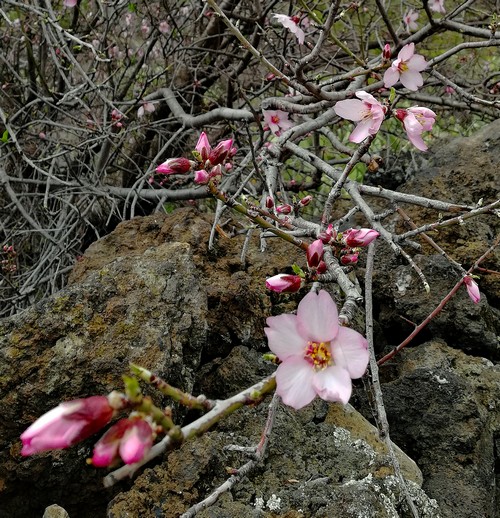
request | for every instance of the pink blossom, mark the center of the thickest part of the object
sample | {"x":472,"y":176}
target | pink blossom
{"x":318,"y":356}
{"x":328,"y":235}
{"x":284,"y":283}
{"x":129,"y":438}
{"x":406,"y":69}
{"x":175,"y":166}
{"x":70,"y":3}
{"x":67,"y":424}
{"x":410,"y":19}
{"x":314,"y":253}
{"x":203,"y":146}
{"x":416,"y":120}
{"x":222,"y":151}
{"x":437,"y":6}
{"x":292,"y":24}
{"x":472,"y":289}
{"x":164,"y":27}
{"x":146,"y":107}
{"x":368,"y":112}
{"x":277,"y":120}
{"x":386,"y":52}
{"x":354,"y":237}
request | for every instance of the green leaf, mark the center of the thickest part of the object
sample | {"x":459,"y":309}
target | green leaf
{"x":132,"y":8}
{"x":132,"y":388}
{"x":297,"y":270}
{"x":5,"y":136}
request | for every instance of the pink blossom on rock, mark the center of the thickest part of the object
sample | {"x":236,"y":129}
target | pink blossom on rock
{"x":67,"y":424}
{"x":415,"y":121}
{"x":277,"y":120}
{"x":292,"y":24}
{"x":354,"y":237}
{"x":129,"y":438}
{"x":314,"y":253}
{"x":410,"y":19}
{"x":366,"y":111}
{"x":437,"y":6}
{"x":175,"y":166}
{"x":284,"y":283}
{"x":472,"y":289}
{"x":406,"y":69}
{"x":318,"y":356}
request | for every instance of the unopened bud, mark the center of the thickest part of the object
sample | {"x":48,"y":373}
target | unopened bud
{"x":314,"y":253}
{"x":284,"y":209}
{"x":269,"y":202}
{"x":305,"y":200}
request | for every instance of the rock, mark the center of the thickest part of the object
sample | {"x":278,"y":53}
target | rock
{"x":55,"y":511}
{"x":443,"y":409}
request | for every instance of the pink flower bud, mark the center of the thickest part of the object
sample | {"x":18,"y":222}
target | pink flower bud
{"x":203,"y":147}
{"x":305,"y":200}
{"x":269,"y":202}
{"x":228,"y":166}
{"x":175,"y":166}
{"x":201,"y":177}
{"x":386,"y":52}
{"x":472,"y":289}
{"x":221,"y":152}
{"x":349,"y":259}
{"x":216,"y":172}
{"x":314,"y":253}
{"x":321,"y":267}
{"x":67,"y":424}
{"x":284,"y":283}
{"x":359,"y":236}
{"x":284,"y":209}
{"x":129,"y":438}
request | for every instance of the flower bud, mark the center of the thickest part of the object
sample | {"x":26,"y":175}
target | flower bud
{"x":472,"y":289}
{"x":386,"y":52}
{"x":67,"y":424}
{"x":201,"y":177}
{"x":359,"y":237}
{"x":284,"y":209}
{"x":221,"y":152}
{"x":284,"y":283}
{"x":203,"y":147}
{"x":349,"y":259}
{"x":129,"y":438}
{"x":175,"y":166}
{"x":269,"y":202}
{"x":321,"y":267}
{"x":305,"y":200}
{"x":314,"y":253}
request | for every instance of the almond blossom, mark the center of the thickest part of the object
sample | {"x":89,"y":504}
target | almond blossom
{"x":284,"y":283}
{"x":365,"y":110}
{"x":318,"y":356}
{"x":415,"y":121}
{"x":277,"y":120}
{"x":437,"y":6}
{"x":355,"y":237}
{"x":406,"y":69}
{"x":67,"y":424}
{"x":410,"y":19}
{"x":292,"y":24}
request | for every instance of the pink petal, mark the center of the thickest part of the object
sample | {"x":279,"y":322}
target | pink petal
{"x":317,"y":317}
{"x":294,"y":382}
{"x":417,"y":141}
{"x":350,"y":109}
{"x":360,"y":94}
{"x":361,"y":131}
{"x":333,"y":384}
{"x":350,"y":351}
{"x":391,"y":77}
{"x":412,"y":80}
{"x":417,"y":63}
{"x":283,"y":336}
{"x":407,"y":52}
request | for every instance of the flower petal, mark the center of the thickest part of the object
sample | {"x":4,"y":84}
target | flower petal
{"x":361,"y":131}
{"x":294,"y":382}
{"x":333,"y":384}
{"x":407,"y":52}
{"x":417,"y":63}
{"x":412,"y":80}
{"x":317,"y":317}
{"x":283,"y":336}
{"x":391,"y":77}
{"x":350,"y":109}
{"x":350,"y":351}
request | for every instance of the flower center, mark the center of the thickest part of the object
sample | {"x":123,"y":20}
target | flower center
{"x":318,"y":355}
{"x":275,"y":119}
{"x":403,"y":67}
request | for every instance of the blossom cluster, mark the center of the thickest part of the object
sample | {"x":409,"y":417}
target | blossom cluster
{"x":209,"y":164}
{"x":369,"y":113}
